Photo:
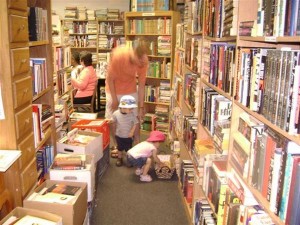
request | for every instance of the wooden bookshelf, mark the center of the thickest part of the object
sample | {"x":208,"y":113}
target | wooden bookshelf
{"x":211,"y":35}
{"x":17,"y":92}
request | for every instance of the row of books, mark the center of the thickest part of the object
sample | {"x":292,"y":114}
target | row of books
{"x":162,"y":118}
{"x":63,"y":81}
{"x":267,"y":82}
{"x":44,"y":160}
{"x":222,"y":62}
{"x":193,"y":54}
{"x":277,"y":18}
{"x":82,"y":13}
{"x":159,"y":93}
{"x":268,"y":162}
{"x":37,"y":24}
{"x":192,"y":16}
{"x":81,"y":41}
{"x":191,"y":93}
{"x":110,"y":28}
{"x":62,"y":56}
{"x":158,"y":69}
{"x":105,"y":42}
{"x":215,"y":107}
{"x":162,"y":25}
{"x":227,"y":195}
{"x":189,"y":131}
{"x":39,"y":73}
{"x":41,"y":119}
{"x":149,"y":5}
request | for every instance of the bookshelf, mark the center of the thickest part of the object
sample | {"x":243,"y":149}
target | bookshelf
{"x":158,"y":30}
{"x":17,"y":129}
{"x":231,"y":55}
{"x":61,"y":75}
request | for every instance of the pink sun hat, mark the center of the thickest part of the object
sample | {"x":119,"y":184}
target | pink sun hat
{"x":156,"y":136}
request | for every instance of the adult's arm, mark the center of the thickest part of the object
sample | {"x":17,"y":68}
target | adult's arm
{"x":82,"y":81}
{"x":142,"y":72}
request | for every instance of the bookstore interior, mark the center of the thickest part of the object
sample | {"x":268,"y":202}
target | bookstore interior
{"x":223,"y":85}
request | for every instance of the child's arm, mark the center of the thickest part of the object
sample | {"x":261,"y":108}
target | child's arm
{"x":131,"y":133}
{"x":156,"y":159}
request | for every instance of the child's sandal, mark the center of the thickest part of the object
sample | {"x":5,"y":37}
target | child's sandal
{"x":114,"y":155}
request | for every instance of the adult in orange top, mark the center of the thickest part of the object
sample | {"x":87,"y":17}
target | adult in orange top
{"x":126,"y":75}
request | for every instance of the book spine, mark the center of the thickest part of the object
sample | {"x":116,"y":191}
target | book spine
{"x":221,"y":206}
{"x":275,"y":179}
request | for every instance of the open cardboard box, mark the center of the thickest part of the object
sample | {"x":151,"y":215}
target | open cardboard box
{"x":94,"y":147}
{"x":20,"y":212}
{"x":72,"y":213}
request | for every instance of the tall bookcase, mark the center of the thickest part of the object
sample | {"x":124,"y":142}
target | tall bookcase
{"x":231,"y":60}
{"x":17,"y":90}
{"x":158,"y":30}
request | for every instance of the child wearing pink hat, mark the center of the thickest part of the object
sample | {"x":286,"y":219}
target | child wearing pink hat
{"x":140,"y":155}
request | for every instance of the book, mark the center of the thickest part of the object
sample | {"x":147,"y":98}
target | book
{"x":52,"y":197}
{"x":7,"y":158}
{"x":30,"y":220}
{"x":63,"y":189}
{"x":295,"y":216}
{"x":293,"y":150}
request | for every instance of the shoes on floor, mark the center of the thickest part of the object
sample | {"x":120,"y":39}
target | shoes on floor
{"x":114,"y":153}
{"x":145,"y":178}
{"x":119,"y":162}
{"x":139,"y":171}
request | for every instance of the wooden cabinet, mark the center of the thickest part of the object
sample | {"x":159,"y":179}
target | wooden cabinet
{"x":16,"y":83}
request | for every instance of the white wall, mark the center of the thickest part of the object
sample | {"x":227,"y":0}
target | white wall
{"x":59,"y":5}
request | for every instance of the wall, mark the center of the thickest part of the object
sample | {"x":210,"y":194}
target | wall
{"x":59,"y":5}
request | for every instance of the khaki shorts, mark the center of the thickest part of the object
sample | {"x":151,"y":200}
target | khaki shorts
{"x":108,"y":108}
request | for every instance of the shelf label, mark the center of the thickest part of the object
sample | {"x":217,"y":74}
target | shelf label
{"x":148,"y":14}
{"x":271,"y":39}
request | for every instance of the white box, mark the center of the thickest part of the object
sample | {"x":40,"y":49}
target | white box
{"x":94,"y":147}
{"x":84,"y":175}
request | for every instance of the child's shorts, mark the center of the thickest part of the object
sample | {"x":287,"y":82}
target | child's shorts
{"x":124,"y":144}
{"x":139,"y":162}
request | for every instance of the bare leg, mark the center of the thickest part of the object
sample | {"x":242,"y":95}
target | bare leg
{"x":147,"y":167}
{"x":137,"y":135}
{"x":112,"y":136}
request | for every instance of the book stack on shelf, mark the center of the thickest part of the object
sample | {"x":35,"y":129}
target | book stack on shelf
{"x":90,"y":14}
{"x":70,"y":12}
{"x":162,"y":118}
{"x":230,"y":21}
{"x":101,"y":14}
{"x":187,"y":179}
{"x":44,"y":158}
{"x":113,"y":14}
{"x":151,"y":5}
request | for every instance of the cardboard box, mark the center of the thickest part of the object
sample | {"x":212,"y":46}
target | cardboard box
{"x":76,"y":116}
{"x":72,"y":213}
{"x":82,"y":175}
{"x":20,"y":212}
{"x":93,"y":147}
{"x":98,"y":125}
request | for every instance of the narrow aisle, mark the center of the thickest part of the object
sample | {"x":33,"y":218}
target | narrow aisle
{"x":121,"y":199}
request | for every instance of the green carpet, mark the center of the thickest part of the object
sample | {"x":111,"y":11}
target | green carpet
{"x":121,"y":199}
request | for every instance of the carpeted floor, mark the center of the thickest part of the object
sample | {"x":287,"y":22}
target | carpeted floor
{"x":121,"y":199}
